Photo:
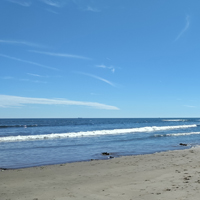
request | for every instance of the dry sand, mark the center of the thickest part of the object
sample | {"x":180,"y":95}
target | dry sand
{"x":170,"y":175}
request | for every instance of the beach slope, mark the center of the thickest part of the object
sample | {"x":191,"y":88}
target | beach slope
{"x":167,"y":175}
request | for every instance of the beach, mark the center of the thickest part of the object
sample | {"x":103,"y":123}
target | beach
{"x":165,"y":175}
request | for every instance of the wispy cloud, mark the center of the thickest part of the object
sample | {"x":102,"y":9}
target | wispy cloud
{"x":106,"y":67}
{"x":43,"y":76}
{"x":87,"y":5}
{"x":89,"y":8}
{"x":15,"y":42}
{"x":26,"y":61}
{"x":99,"y":78}
{"x":22,"y":79}
{"x":25,"y":3}
{"x":7,"y":77}
{"x":37,"y":75}
{"x":55,"y":3}
{"x":94,"y":94}
{"x":61,"y":55}
{"x":13,"y":101}
{"x":82,"y":4}
{"x":32,"y":81}
{"x":185,"y":28}
{"x":188,"y":106}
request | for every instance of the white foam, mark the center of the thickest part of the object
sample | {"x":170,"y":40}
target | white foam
{"x":180,"y":134}
{"x":177,"y":134}
{"x":174,"y":120}
{"x":91,"y":133}
{"x":196,"y":147}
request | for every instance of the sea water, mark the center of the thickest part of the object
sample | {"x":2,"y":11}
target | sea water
{"x":36,"y":142}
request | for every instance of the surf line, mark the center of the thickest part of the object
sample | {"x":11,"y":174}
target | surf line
{"x":91,"y":133}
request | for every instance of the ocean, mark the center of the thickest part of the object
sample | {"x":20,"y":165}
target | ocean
{"x":37,"y":142}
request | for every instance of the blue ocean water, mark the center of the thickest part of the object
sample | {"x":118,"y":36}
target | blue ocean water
{"x":36,"y":142}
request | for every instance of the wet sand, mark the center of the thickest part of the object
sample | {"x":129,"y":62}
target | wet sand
{"x":160,"y":176}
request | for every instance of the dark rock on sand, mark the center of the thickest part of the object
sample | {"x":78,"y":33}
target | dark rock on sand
{"x":110,"y":157}
{"x":183,"y":144}
{"x":105,"y":153}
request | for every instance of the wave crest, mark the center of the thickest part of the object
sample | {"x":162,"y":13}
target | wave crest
{"x":91,"y":133}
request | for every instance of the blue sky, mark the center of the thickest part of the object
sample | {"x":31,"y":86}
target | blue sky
{"x":99,"y":58}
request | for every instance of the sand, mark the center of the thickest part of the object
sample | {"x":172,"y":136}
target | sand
{"x":169,"y":175}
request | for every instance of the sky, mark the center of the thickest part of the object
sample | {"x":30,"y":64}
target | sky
{"x":99,"y":58}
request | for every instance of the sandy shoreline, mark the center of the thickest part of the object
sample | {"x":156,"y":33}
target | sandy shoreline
{"x":168,"y":175}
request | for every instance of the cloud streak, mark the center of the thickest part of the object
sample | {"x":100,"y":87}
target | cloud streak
{"x":35,"y":75}
{"x":83,"y":4}
{"x":27,"y":80}
{"x":89,"y":8}
{"x":99,"y":78}
{"x":7,"y":77}
{"x":61,"y":55}
{"x":25,"y":3}
{"x":185,"y":28}
{"x":26,"y":61}
{"x":105,"y":67}
{"x":17,"y":101}
{"x":15,"y":42}
{"x":33,"y":81}
{"x":188,"y":106}
{"x":55,"y":3}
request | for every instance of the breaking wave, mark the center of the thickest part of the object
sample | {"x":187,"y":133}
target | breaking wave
{"x":177,"y":134}
{"x":91,"y":133}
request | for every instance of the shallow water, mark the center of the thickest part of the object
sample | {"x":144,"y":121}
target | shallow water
{"x":34,"y":142}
